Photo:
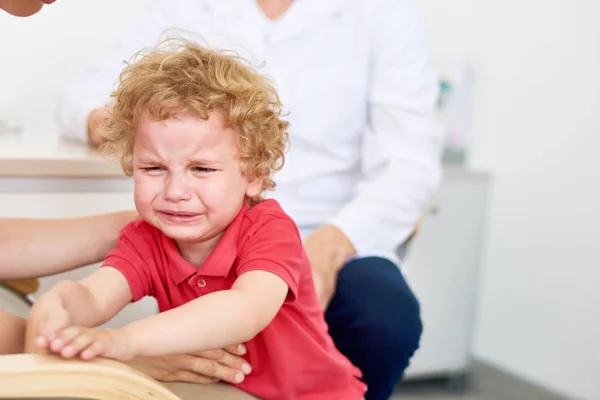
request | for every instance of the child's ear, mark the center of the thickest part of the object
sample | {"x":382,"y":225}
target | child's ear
{"x":254,"y":187}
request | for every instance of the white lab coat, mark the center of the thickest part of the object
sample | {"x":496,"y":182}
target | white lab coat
{"x":356,"y":78}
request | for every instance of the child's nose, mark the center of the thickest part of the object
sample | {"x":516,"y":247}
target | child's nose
{"x":177,"y":189}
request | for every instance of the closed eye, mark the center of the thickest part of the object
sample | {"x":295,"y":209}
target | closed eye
{"x":203,"y":169}
{"x":152,"y":169}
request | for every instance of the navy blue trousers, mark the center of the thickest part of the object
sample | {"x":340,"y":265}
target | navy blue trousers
{"x":374,"y":320}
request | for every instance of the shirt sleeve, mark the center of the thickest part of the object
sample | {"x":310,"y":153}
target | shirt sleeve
{"x":130,"y":257}
{"x":403,"y":141}
{"x":275,"y":247}
{"x":93,"y":87}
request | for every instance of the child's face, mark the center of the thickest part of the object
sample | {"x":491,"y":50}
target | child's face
{"x":188,"y":178}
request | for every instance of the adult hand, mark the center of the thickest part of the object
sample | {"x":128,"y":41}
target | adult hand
{"x":95,"y":123}
{"x":328,"y":249}
{"x":205,"y":367}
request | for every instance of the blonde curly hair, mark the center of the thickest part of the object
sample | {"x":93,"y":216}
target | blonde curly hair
{"x":181,"y":76}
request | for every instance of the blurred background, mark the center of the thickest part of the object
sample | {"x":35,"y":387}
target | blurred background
{"x":506,"y":263}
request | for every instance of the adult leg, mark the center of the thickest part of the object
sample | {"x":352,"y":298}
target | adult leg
{"x":12,"y":333}
{"x":374,"y":319}
{"x":217,"y":391}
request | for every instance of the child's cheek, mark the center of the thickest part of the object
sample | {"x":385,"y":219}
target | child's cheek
{"x":145,"y":191}
{"x":215,"y":193}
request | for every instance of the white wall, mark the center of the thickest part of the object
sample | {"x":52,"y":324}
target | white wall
{"x":41,"y":53}
{"x":536,"y":127}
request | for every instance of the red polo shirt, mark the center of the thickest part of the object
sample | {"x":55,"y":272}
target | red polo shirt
{"x":293,"y":357}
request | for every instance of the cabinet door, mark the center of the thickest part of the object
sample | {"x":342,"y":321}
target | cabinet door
{"x":441,"y":266}
{"x":74,"y":204}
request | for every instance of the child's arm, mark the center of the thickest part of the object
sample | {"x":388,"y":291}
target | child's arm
{"x":213,"y":321}
{"x":89,"y":302}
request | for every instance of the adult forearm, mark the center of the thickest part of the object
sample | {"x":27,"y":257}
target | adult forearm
{"x":390,"y":202}
{"x":39,"y":247}
{"x":213,"y":321}
{"x":12,"y":333}
{"x":385,"y":216}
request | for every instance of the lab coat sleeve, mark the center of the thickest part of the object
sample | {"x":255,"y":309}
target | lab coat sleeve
{"x":403,"y":141}
{"x":92,"y":88}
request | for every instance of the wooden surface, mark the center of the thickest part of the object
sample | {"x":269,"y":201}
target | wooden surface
{"x":42,"y":377}
{"x":23,"y":286}
{"x":36,"y":376}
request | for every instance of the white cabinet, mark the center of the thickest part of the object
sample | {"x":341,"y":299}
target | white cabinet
{"x":441,"y":265}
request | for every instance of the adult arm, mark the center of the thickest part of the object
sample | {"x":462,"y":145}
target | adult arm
{"x":401,"y":167}
{"x":31,"y":248}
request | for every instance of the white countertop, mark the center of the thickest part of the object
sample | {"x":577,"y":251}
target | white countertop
{"x":23,"y":155}
{"x":48,"y":156}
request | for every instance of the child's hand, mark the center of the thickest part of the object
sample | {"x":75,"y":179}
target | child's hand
{"x":89,"y":343}
{"x":44,"y":322}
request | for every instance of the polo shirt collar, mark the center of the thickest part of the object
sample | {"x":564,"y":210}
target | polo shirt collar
{"x":220,"y":260}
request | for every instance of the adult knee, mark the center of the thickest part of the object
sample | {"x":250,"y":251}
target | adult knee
{"x":374,"y":301}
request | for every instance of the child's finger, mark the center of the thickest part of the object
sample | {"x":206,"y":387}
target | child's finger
{"x":64,"y":337}
{"x":42,"y":342}
{"x":94,"y":350}
{"x":76,"y":345}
